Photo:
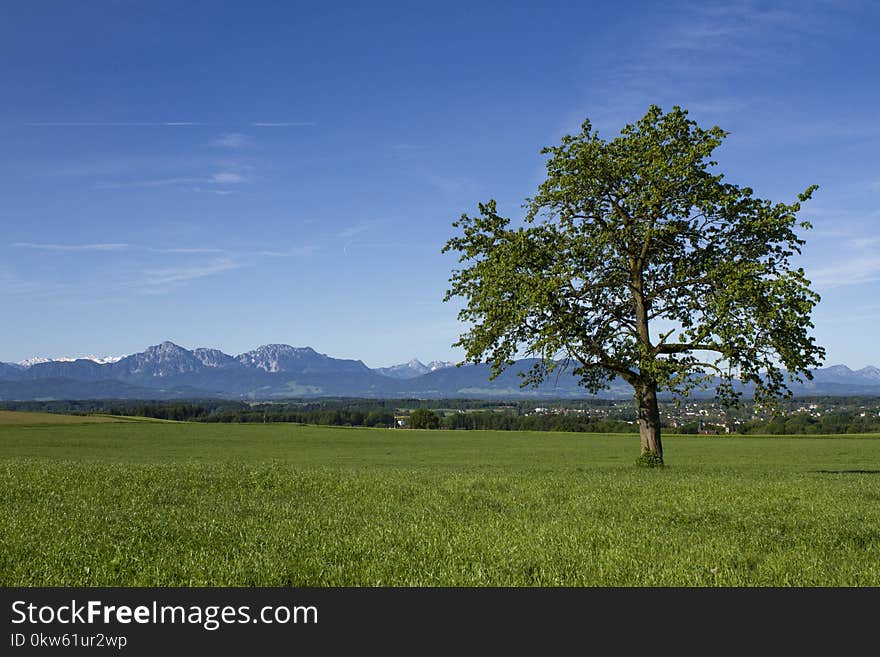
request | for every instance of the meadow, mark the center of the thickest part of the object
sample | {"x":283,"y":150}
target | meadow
{"x":17,"y":418}
{"x":185,"y":504}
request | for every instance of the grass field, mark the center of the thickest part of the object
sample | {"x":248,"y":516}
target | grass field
{"x":142,"y":504}
{"x":28,"y":419}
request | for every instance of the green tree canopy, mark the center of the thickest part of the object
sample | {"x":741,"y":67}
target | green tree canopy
{"x":637,"y":260}
{"x":423,"y":418}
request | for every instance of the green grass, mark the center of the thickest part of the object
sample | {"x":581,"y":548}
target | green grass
{"x":274,"y":505}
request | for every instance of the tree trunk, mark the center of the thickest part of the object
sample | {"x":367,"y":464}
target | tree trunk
{"x":649,"y":423}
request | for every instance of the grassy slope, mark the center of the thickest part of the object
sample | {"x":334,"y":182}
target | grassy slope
{"x":191,"y":504}
{"x":27,"y":418}
{"x":20,"y":418}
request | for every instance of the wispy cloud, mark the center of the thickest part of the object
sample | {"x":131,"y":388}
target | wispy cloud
{"x":32,"y":287}
{"x":156,"y":182}
{"x":293,"y":252}
{"x":170,"y":250}
{"x":354,"y":234}
{"x":187,"y":250}
{"x":164,"y":124}
{"x":283,"y":124}
{"x":112,"y":124}
{"x":406,"y":152}
{"x":160,"y":280}
{"x":852,"y":271}
{"x":143,"y":167}
{"x":703,"y":56}
{"x":721,"y":26}
{"x":453,"y":184}
{"x":149,"y":269}
{"x":218,"y":178}
{"x":233,"y":140}
{"x":218,"y":192}
{"x":72,"y":247}
{"x":115,"y":247}
{"x":13,"y":284}
{"x":870,"y":313}
{"x":228,"y":178}
{"x":865,"y":242}
{"x":359,"y":228}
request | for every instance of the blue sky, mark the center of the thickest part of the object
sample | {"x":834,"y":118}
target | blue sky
{"x":232,"y":174}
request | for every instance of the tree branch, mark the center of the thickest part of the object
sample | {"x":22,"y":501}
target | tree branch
{"x":681,"y":347}
{"x":672,"y":286}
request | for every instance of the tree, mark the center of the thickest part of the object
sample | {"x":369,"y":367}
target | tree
{"x":636,"y":260}
{"x":423,"y":418}
{"x":379,"y":418}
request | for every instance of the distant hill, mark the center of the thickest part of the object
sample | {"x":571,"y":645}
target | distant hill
{"x":9,"y":371}
{"x":275,"y":371}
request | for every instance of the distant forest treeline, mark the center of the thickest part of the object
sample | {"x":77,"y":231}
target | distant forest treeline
{"x":455,"y":414}
{"x":840,"y":416}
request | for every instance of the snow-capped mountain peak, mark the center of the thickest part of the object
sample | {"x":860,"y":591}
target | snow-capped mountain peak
{"x":836,"y":371}
{"x":869,"y":372}
{"x":37,"y":360}
{"x":413,"y":368}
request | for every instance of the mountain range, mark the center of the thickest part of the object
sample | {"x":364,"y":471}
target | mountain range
{"x":413,"y":368}
{"x":277,"y":371}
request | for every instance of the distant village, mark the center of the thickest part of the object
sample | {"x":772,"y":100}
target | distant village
{"x":711,"y":417}
{"x":814,"y":415}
